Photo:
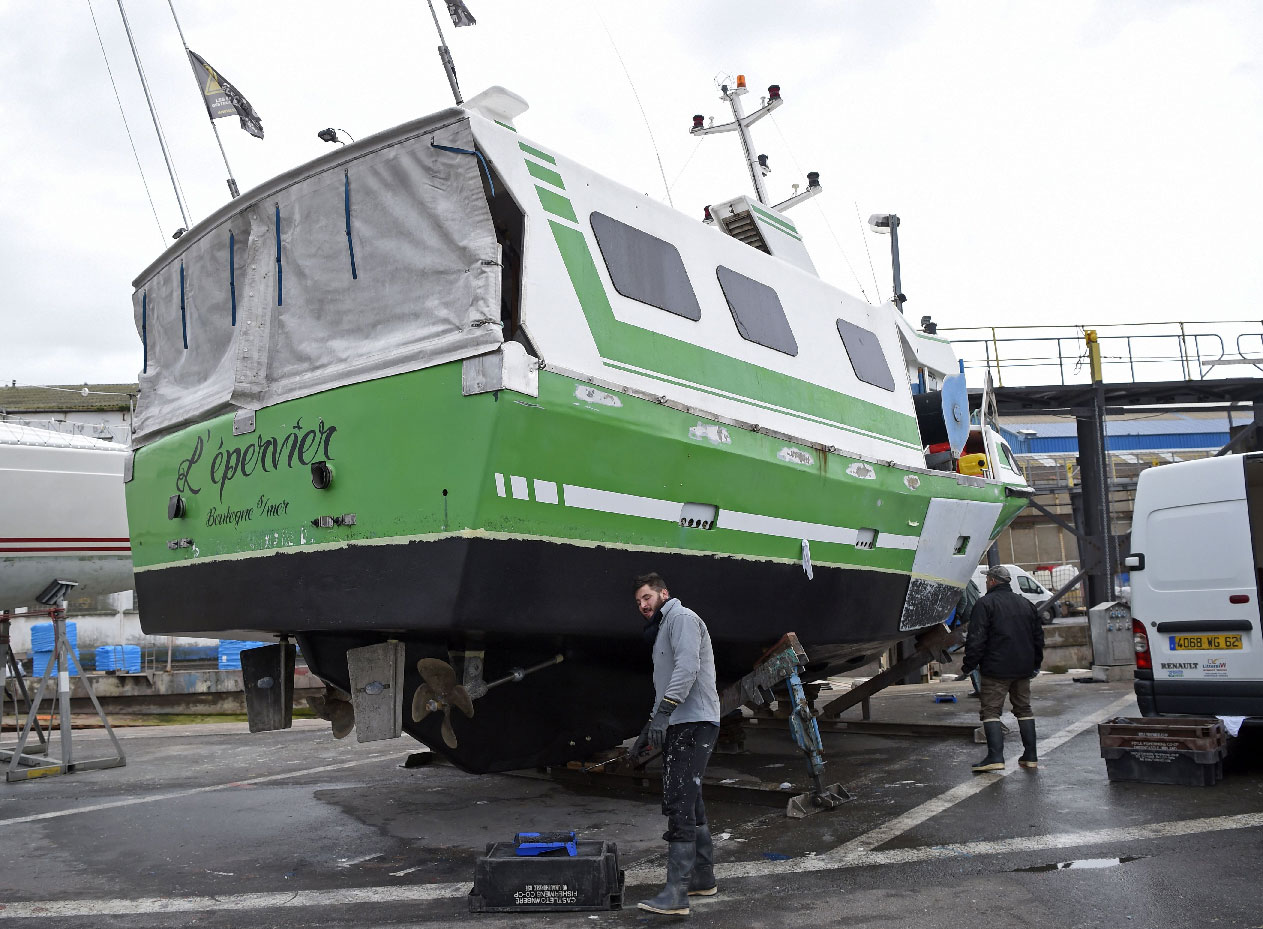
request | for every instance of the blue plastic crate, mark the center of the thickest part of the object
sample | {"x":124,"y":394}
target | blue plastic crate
{"x":40,"y":660}
{"x":230,"y":653}
{"x":118,"y":658}
{"x":42,"y":636}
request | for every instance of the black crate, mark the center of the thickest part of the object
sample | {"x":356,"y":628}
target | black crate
{"x":505,"y":882}
{"x":1187,"y":768}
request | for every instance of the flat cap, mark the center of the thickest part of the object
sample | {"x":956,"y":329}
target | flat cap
{"x":1000,"y":573}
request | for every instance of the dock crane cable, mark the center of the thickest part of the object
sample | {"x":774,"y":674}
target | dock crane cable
{"x":824,"y":215}
{"x":127,"y":128}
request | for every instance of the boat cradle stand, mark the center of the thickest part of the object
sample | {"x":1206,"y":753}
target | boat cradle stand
{"x":22,"y":766}
{"x":783,"y":664}
{"x":11,"y":670}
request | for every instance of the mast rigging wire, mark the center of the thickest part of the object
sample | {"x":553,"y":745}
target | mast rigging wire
{"x":654,"y":142}
{"x":128,"y":129}
{"x":823,"y":215}
{"x":157,"y":125}
{"x":687,"y":162}
{"x":858,"y":219}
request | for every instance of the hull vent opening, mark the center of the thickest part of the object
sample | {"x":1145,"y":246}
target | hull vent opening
{"x":866,"y":539}
{"x":742,"y":226}
{"x":699,"y":516}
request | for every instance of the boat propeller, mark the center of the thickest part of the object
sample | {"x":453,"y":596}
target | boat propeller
{"x":440,"y":690}
{"x":335,"y":706}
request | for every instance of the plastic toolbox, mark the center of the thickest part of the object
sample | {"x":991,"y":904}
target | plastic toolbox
{"x":506,"y":881}
{"x":1188,"y":768}
{"x":1190,"y":733}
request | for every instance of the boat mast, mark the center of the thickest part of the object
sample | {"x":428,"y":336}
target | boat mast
{"x":232,"y":182}
{"x":741,"y":123}
{"x":460,"y":17}
{"x":162,"y":142}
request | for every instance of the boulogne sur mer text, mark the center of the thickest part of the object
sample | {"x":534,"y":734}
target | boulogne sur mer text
{"x":229,"y":516}
{"x":265,"y":453}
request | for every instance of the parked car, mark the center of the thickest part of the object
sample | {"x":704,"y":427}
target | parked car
{"x":1024,"y":585}
{"x":1195,"y":562}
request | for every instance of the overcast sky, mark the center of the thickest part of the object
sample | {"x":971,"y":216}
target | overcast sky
{"x":1070,"y":162}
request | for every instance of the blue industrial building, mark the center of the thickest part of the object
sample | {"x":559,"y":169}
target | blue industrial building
{"x":1131,"y":433}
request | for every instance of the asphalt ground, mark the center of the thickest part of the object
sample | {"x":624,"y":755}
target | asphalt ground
{"x":208,"y":825}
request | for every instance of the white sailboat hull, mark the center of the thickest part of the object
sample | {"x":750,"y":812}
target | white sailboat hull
{"x":62,"y":515}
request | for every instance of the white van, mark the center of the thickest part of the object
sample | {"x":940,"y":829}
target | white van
{"x":1197,"y":549}
{"x":1023,"y":584}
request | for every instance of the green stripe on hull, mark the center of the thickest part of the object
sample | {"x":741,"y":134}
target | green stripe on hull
{"x":536,"y":153}
{"x":556,"y":204}
{"x":413,"y":458}
{"x":778,"y":224}
{"x":539,"y":172}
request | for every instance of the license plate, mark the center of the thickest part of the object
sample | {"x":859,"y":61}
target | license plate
{"x":1204,"y":643}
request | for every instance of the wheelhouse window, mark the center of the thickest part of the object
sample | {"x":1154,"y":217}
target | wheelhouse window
{"x":644,"y":267}
{"x":757,"y":311}
{"x":867,"y":358}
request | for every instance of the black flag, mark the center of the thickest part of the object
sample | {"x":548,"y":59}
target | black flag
{"x":223,"y":99}
{"x":460,"y":13}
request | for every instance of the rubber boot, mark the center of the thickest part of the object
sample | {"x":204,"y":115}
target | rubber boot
{"x":1029,"y":759}
{"x":673,"y":900}
{"x":702,"y":883}
{"x":995,"y":748}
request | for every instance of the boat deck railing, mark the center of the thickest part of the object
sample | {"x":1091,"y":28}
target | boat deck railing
{"x":1130,"y":352}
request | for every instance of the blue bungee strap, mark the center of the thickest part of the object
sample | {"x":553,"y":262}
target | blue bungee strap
{"x":465,"y":151}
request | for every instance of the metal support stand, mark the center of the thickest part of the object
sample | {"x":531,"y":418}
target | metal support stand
{"x":783,"y":664}
{"x":60,"y":659}
{"x":10,"y":669}
{"x":806,"y":734}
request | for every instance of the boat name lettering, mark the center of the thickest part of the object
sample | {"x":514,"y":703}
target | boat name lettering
{"x":269,"y":453}
{"x":182,"y":484}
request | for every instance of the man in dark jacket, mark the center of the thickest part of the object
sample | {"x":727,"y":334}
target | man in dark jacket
{"x":1006,"y":644}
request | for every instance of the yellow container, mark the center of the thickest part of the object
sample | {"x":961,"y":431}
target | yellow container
{"x":973,"y":465}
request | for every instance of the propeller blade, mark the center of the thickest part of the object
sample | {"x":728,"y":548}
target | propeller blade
{"x":449,"y":735}
{"x":440,"y":675}
{"x":342,"y":716}
{"x":459,"y":698}
{"x":421,"y":703}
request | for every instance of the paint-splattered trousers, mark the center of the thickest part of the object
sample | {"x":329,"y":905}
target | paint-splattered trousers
{"x":995,"y":689}
{"x":684,"y":760}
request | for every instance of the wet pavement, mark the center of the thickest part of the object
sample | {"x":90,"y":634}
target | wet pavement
{"x":210,"y":826}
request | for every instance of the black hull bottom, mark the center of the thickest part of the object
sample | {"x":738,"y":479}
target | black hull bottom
{"x":522,"y":602}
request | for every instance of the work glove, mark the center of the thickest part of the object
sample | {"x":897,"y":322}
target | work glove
{"x":641,"y":743}
{"x":659,"y":721}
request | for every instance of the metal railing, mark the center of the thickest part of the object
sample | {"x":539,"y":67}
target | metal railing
{"x":1162,"y":351}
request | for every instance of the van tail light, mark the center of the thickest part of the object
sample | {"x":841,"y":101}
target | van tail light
{"x":1140,"y":640}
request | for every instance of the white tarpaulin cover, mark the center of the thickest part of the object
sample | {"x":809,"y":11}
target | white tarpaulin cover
{"x":426,"y":288}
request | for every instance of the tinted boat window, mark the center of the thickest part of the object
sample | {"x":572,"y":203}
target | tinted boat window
{"x":867,"y":358}
{"x":757,"y":311}
{"x":644,"y":267}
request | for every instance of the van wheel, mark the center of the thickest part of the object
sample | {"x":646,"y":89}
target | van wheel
{"x":1046,"y":615}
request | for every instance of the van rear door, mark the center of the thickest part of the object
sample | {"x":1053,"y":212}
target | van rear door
{"x":1199,"y":527}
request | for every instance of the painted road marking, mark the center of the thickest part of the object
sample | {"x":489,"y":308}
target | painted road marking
{"x":192,"y":791}
{"x":864,"y":844}
{"x":649,"y":876}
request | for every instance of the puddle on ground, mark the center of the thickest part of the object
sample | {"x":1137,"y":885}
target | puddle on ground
{"x":1082,"y":864}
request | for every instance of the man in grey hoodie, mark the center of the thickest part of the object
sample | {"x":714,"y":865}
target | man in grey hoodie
{"x":684,"y":725}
